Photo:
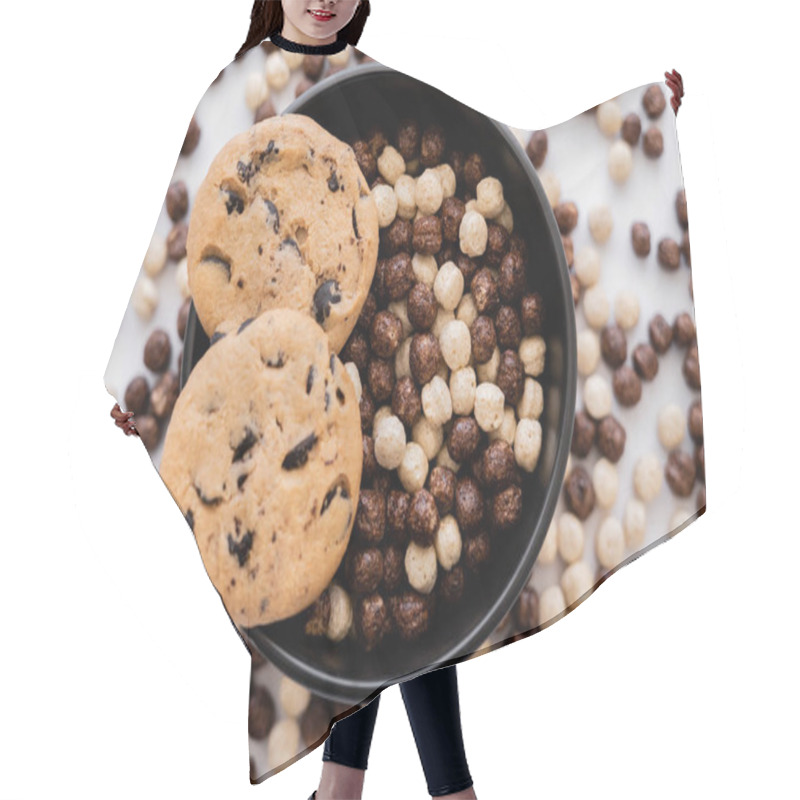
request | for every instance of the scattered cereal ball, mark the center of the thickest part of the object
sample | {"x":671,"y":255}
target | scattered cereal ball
{"x":256,"y":90}
{"x":341,"y":615}
{"x":443,"y":316}
{"x":490,"y":198}
{"x":551,"y":603}
{"x":605,"y":481}
{"x":294,"y":698}
{"x":671,"y":426}
{"x":455,"y":344}
{"x":428,"y":436}
{"x":531,"y":404}
{"x":391,"y":165}
{"x":609,"y":543}
{"x":282,"y":741}
{"x":182,"y":278}
{"x":473,"y":233}
{"x":487,"y":372}
{"x":447,"y":178}
{"x":596,"y":307}
{"x":421,"y":568}
{"x":570,"y":537}
{"x":551,"y":186}
{"x":155,"y":259}
{"x":576,"y":580}
{"x":467,"y":311}
{"x":444,"y":459}
{"x":532,"y":351}
{"x":587,"y":266}
{"x":386,"y":203}
{"x":647,"y":477}
{"x":402,"y":360}
{"x":601,"y":223}
{"x":508,"y":427}
{"x":634,"y":522}
{"x":437,"y":404}
{"x":597,"y":396}
{"x":413,"y":469}
{"x":549,"y":550}
{"x":381,"y":414}
{"x":462,"y":390}
{"x":405,"y":189}
{"x":355,"y":377}
{"x":489,"y":406}
{"x":449,"y":286}
{"x":145,"y":297}
{"x":528,"y":443}
{"x":424,"y":266}
{"x":626,"y":309}
{"x":448,"y":542}
{"x":620,"y":161}
{"x":429,"y":194}
{"x":588,"y":351}
{"x":390,"y":442}
{"x":277,"y":71}
{"x":609,"y":117}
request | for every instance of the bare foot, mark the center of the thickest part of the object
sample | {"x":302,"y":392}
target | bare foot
{"x":340,"y":783}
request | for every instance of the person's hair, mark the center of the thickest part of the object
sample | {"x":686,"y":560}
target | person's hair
{"x":266,"y":18}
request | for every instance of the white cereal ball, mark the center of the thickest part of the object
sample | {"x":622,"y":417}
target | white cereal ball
{"x":532,"y":350}
{"x":489,"y":406}
{"x":449,"y":286}
{"x":647,"y":477}
{"x":428,"y":436}
{"x":671,"y":426}
{"x":447,"y":178}
{"x":634,"y":522}
{"x":381,"y":414}
{"x":391,"y":165}
{"x":549,"y":550}
{"x":551,"y":186}
{"x":448,"y":542}
{"x":570,"y":537}
{"x":455,"y":344}
{"x":506,"y":218}
{"x":437,"y":405}
{"x":145,"y":297}
{"x":588,"y":351}
{"x":508,"y":427}
{"x":462,"y":390}
{"x":587,"y":266}
{"x":256,"y":90}
{"x":609,"y":117}
{"x":471,"y":205}
{"x":467,"y":311}
{"x":294,"y":698}
{"x":597,"y":396}
{"x":421,"y":567}
{"x":596,"y":307}
{"x":626,"y":309}
{"x":528,"y":443}
{"x":277,"y":71}
{"x":429,"y":193}
{"x":601,"y":223}
{"x":155,"y":259}
{"x":341,"y":615}
{"x":386,"y":203}
{"x":402,"y":360}
{"x":182,"y":278}
{"x":576,"y":580}
{"x":443,"y":316}
{"x":620,"y":161}
{"x":551,"y":603}
{"x":405,"y":188}
{"x":400,"y":309}
{"x":531,"y":404}
{"x":487,"y":372}
{"x":283,"y":741}
{"x":609,"y":543}
{"x":341,"y":58}
{"x":444,"y":459}
{"x":489,"y":194}
{"x":294,"y":60}
{"x":413,"y":469}
{"x":390,"y":442}
{"x":605,"y":481}
{"x":425,"y":267}
{"x":473,"y":234}
{"x":355,"y":377}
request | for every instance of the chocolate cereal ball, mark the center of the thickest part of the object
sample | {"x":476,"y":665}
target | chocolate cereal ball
{"x":508,"y":328}
{"x":408,"y":138}
{"x":422,"y":307}
{"x":680,"y":473}
{"x":398,"y":235}
{"x":669,"y":254}
{"x":424,"y":357}
{"x":398,"y":276}
{"x":566,"y":215}
{"x":364,"y":570}
{"x":451,"y":584}
{"x":137,"y":395}
{"x":393,"y":568}
{"x":356,"y":349}
{"x":432,"y":145}
{"x":406,"y":402}
{"x":476,"y":550}
{"x":506,"y":508}
{"x":511,"y":376}
{"x":653,"y":142}
{"x":640,"y":238}
{"x":579,"y":493}
{"x":484,"y":338}
{"x":380,"y":379}
{"x":469,"y":504}
{"x":386,"y":334}
{"x":463,"y":439}
{"x":484,"y":291}
{"x":583,"y":434}
{"x":370,"y":522}
{"x":442,"y":485}
{"x":611,"y":439}
{"x":427,"y":235}
{"x":511,"y":281}
{"x":645,"y":362}
{"x":496,"y":245}
{"x":397,"y":504}
{"x":653,"y":101}
{"x":372,"y":619}
{"x":532,"y":311}
{"x":660,"y":332}
{"x":613,"y":346}
{"x":261,"y":713}
{"x":683,"y":330}
{"x":631,"y":129}
{"x":497,"y":465}
{"x":627,"y":386}
{"x":695,"y":421}
{"x":691,"y":368}
{"x":423,"y":518}
{"x":366,"y":407}
{"x":474,"y":171}
{"x":410,"y":614}
{"x":452,"y":212}
{"x":157,"y":351}
{"x":370,"y":465}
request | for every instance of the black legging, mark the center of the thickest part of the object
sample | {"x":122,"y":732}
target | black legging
{"x":432,"y":706}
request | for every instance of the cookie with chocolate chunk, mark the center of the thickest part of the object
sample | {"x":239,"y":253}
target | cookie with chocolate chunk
{"x":283,"y":219}
{"x":263,"y":456}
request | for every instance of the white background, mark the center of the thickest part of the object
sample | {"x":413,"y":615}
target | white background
{"x":120,"y":674}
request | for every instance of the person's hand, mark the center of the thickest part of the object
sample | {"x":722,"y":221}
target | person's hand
{"x":675,"y":83}
{"x":124,"y":420}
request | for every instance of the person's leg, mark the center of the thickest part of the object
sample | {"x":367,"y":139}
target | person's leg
{"x":345,"y":755}
{"x":434,"y":713}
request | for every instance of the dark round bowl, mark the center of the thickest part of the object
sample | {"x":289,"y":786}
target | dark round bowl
{"x":348,"y":105}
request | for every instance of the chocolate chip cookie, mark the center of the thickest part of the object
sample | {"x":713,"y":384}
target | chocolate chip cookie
{"x":263,"y":456}
{"x":283,"y":219}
